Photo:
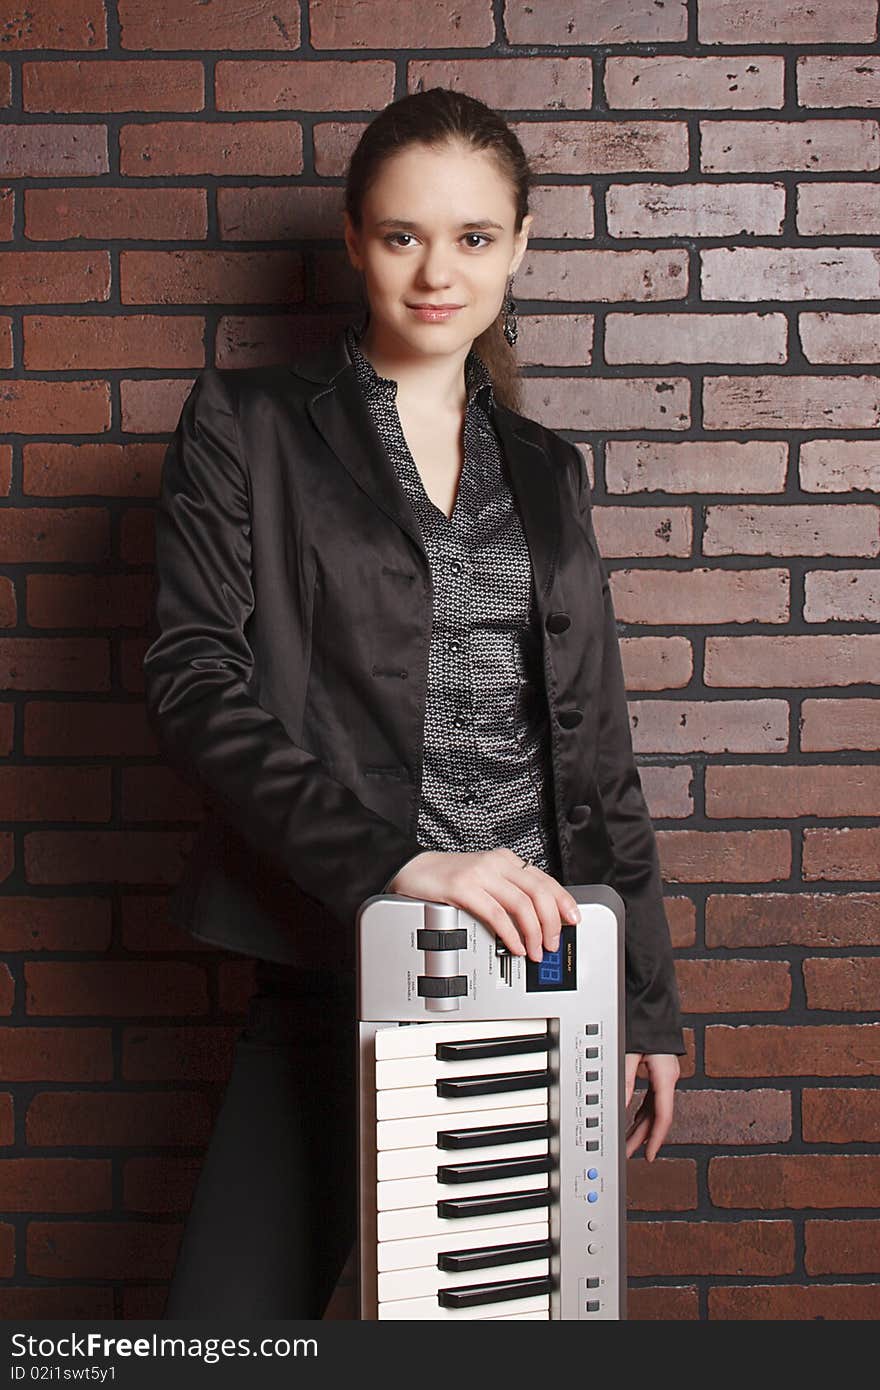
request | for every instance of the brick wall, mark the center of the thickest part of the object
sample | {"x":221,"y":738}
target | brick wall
{"x":700,"y":311}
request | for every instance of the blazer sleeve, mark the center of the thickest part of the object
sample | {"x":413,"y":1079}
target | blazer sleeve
{"x":653,"y":1007}
{"x":198,"y":674}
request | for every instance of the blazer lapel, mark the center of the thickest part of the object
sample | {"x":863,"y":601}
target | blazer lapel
{"x":342,"y":416}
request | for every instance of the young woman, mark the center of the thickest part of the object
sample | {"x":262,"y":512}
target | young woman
{"x":387,"y":655}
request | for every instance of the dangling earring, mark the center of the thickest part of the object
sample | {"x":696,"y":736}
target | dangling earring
{"x":510,"y":330}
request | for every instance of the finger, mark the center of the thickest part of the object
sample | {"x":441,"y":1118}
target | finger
{"x":519,"y":905}
{"x":631,"y":1065}
{"x":637,"y":1135}
{"x":481,"y":904}
{"x":663,"y":1108}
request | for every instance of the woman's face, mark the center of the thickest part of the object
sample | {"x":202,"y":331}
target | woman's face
{"x":415,"y":246}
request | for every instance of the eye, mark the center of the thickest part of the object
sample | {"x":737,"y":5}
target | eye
{"x":480,"y":235}
{"x":392,"y":235}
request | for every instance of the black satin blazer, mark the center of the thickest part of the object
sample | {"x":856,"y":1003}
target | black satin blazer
{"x":286,"y":677}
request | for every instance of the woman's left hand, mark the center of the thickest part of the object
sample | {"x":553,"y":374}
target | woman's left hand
{"x":653,"y":1118}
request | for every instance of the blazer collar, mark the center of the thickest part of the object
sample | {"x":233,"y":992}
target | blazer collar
{"x":341,"y":414}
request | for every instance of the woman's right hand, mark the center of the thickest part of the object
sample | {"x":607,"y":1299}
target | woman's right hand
{"x":523,"y":906}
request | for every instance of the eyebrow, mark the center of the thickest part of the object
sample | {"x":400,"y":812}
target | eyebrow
{"x":402,"y":222}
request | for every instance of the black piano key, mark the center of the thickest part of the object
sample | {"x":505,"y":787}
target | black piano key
{"x":479,"y":1135}
{"x":492,"y":1083}
{"x":496,"y":1168}
{"x":473,"y":1294}
{"x":489,"y":1256}
{"x":492,"y":1204}
{"x":492,"y":1047}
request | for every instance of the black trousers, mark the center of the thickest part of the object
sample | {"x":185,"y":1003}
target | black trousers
{"x":274,"y":1214}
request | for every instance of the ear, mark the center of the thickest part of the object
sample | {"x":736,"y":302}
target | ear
{"x":352,"y":242}
{"x":520,"y":241}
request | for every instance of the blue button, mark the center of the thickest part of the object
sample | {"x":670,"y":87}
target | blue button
{"x":592,"y":1196}
{"x":592,"y":1172}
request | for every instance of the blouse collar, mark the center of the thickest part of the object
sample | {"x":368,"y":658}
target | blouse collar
{"x":478,"y":379}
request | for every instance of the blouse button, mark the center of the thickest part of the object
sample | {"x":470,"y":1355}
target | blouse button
{"x":455,"y":566}
{"x":558,"y":622}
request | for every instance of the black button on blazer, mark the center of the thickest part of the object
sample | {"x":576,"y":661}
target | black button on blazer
{"x":279,"y":531}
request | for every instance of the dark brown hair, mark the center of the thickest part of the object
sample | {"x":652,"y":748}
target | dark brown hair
{"x":436,"y":117}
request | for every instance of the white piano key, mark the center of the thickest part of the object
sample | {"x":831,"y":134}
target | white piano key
{"x":424,"y":1250}
{"x":424,"y":1100}
{"x":423,"y":1129}
{"x":425,"y":1282}
{"x":424,"y":1221}
{"x":419,"y":1192}
{"x":424,"y":1162}
{"x":420,"y":1039}
{"x":424,"y":1071}
{"x":428,"y":1309}
{"x":511,"y":1317}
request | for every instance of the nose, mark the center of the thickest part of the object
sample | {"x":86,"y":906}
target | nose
{"x":434,"y":267}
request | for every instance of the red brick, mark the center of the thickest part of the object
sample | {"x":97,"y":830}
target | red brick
{"x":760,"y":790}
{"x":95,"y":856}
{"x":701,"y":596}
{"x":829,"y":725}
{"x":842,"y":1247}
{"x":795,"y":1180}
{"x":60,"y":24}
{"x":54,"y":407}
{"x":61,"y":343}
{"x":291,"y":85}
{"x":772,"y":21}
{"x":158,"y":214}
{"x":626,"y":21}
{"x":553,"y":84}
{"x":768,"y":1050}
{"x":850,"y":595}
{"x":165,"y":24}
{"x":670,"y":81}
{"x":101,"y":1249}
{"x":667,"y":1184}
{"x":782,"y":530}
{"x":846,"y":339}
{"x":740,"y":856}
{"x":59,"y":728}
{"x":642,"y":531}
{"x":667,"y":1304}
{"x":662,"y":338}
{"x":841,"y":854}
{"x":55,"y":793}
{"x":791,"y":402}
{"x":158,"y":794}
{"x":768,"y":146}
{"x":115,"y":988}
{"x":837,"y":79}
{"x":696,"y":209}
{"x":224,"y":148}
{"x":795,"y":1302}
{"x":113,"y":85}
{"x":734,"y":986}
{"x":783,"y":661}
{"x":730,"y":1116}
{"x":837,"y":209}
{"x":210,"y":277}
{"x":105,"y":469}
{"x":53,"y":277}
{"x":840,"y":1116}
{"x":398,"y":24}
{"x":54,"y":663}
{"x":56,"y":1054}
{"x":69,"y":1119}
{"x":793,"y":919}
{"x":37,"y":151}
{"x":843,"y":983}
{"x":709,"y":726}
{"x":57,"y":1184}
{"x":89,"y":601}
{"x":710,"y":1247}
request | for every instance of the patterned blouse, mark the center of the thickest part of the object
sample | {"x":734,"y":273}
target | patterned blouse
{"x":486,"y":772}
